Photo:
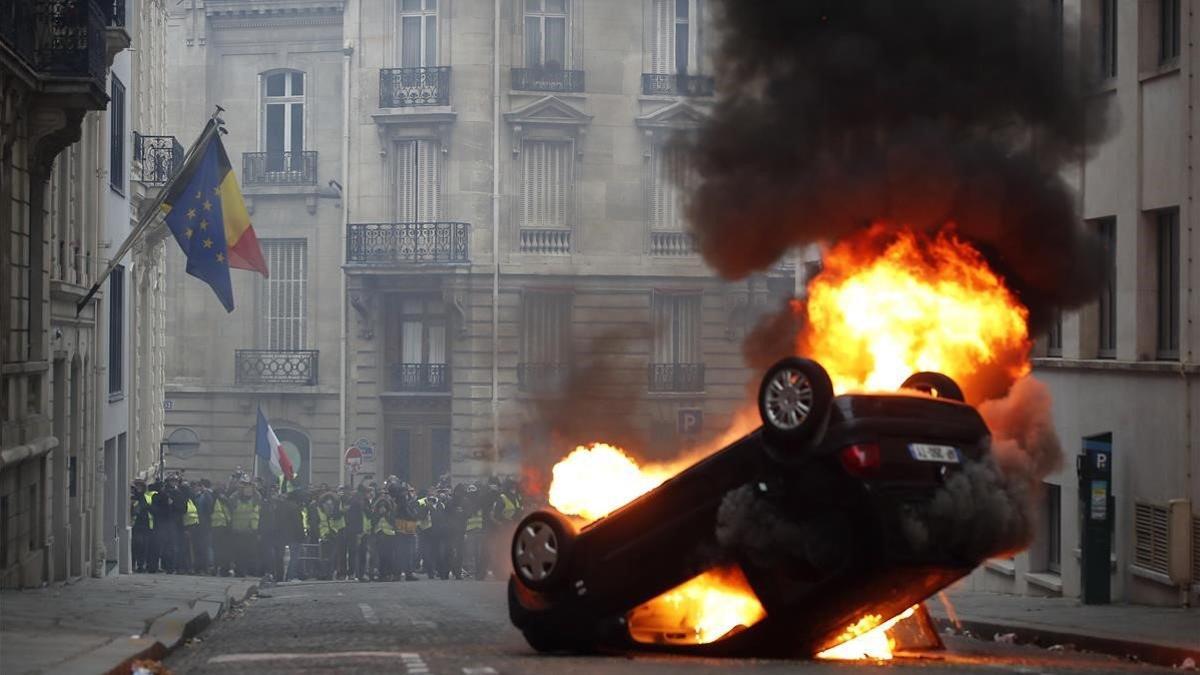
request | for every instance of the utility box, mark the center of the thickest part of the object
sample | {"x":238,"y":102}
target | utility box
{"x":1179,"y":534}
{"x":1096,"y":511}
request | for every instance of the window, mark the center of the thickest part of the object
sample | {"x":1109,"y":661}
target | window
{"x":72,"y":476}
{"x":418,"y":181}
{"x":1168,"y":31}
{"x":1150,"y":532}
{"x":1054,"y":337}
{"x":675,"y":358}
{"x":1167,"y":247}
{"x":116,"y":330}
{"x":284,"y":295}
{"x":116,"y":130}
{"x":418,"y":33}
{"x":670,"y":176}
{"x":1053,"y":525}
{"x":1107,"y":315}
{"x":547,"y":182}
{"x":418,"y":350}
{"x":283,"y":120}
{"x":545,"y":339}
{"x":675,"y":48}
{"x":546,"y":34}
{"x":439,"y":451}
{"x":1108,"y":39}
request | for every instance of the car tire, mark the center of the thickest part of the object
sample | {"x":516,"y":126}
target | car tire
{"x":541,"y":549}
{"x":794,"y":401}
{"x":934,"y":384}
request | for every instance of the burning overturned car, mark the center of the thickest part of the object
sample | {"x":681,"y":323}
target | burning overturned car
{"x":773,"y":545}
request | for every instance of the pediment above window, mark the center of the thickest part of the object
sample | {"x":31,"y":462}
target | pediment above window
{"x":549,"y":118}
{"x":677,"y":115}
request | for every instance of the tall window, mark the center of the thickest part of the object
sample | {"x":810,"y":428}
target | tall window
{"x":116,"y":131}
{"x":418,"y":33}
{"x":283,"y":120}
{"x":418,"y":181}
{"x":545,"y":331}
{"x":668,"y":180}
{"x":1053,"y":527}
{"x":1108,"y":39}
{"x":546,"y":34}
{"x":116,"y":330}
{"x":1168,"y":283}
{"x":418,"y":356}
{"x":676,"y":327}
{"x":284,"y":298}
{"x":1107,"y":304}
{"x":1168,"y":30}
{"x":1054,"y":336}
{"x":547,"y":181}
{"x":675,"y":46}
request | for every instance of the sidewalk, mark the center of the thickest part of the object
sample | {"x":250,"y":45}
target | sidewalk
{"x":100,"y":625}
{"x":1161,"y":635}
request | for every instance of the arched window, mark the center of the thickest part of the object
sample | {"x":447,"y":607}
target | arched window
{"x":282,"y":137}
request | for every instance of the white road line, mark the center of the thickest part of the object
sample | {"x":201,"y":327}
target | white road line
{"x":414,"y":664}
{"x":368,"y":613}
{"x":479,"y":670}
{"x":254,"y":658}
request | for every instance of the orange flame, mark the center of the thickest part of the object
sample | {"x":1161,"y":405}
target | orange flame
{"x":701,"y":610}
{"x":866,"y":638}
{"x":596,"y":480}
{"x":890,"y":303}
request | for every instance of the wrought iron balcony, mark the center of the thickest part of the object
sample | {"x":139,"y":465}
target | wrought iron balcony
{"x":677,"y":84}
{"x":672,"y":244}
{"x":279,"y":168}
{"x":273,"y":366}
{"x":420,"y":377}
{"x":405,"y":87}
{"x":158,"y":158}
{"x":399,"y":243}
{"x":542,"y":377}
{"x":679,"y":377}
{"x":59,"y":37}
{"x":547,"y":79}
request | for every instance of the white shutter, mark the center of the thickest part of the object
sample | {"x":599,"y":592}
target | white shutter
{"x":429,"y":193}
{"x":406,"y":203}
{"x":662,"y":47}
{"x":284,"y":294}
{"x":547,"y":177}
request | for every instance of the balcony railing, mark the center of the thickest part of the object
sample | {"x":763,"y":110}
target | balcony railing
{"x":542,"y":377}
{"x":390,"y":243}
{"x":58,"y":37}
{"x":420,"y":377}
{"x":677,"y":84}
{"x":272,"y":366}
{"x":683,"y":377}
{"x":158,"y":158}
{"x":279,"y":168}
{"x":545,"y":241}
{"x":547,"y":79}
{"x":672,"y":244}
{"x":405,"y":87}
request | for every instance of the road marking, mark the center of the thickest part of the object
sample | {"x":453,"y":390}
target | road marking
{"x":414,"y":664}
{"x":479,"y":670}
{"x":255,"y":658}
{"x":368,"y":613}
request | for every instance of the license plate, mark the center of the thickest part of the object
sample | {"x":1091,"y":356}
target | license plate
{"x":926,"y":452}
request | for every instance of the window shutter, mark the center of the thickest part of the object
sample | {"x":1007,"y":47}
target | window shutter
{"x":662,"y":49}
{"x":285,"y":294}
{"x":428,"y":181}
{"x":406,"y":209}
{"x":1150,"y":529}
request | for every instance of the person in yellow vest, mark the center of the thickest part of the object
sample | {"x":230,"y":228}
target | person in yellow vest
{"x":385,"y":538}
{"x":472,"y":560}
{"x":192,"y":559}
{"x":243,"y":529}
{"x":221,"y":545}
{"x":143,"y":525}
{"x":332,"y":529}
{"x":422,"y":509}
{"x":406,"y":532}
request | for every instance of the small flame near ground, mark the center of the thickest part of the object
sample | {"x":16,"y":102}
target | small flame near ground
{"x":701,"y":610}
{"x":866,"y":638}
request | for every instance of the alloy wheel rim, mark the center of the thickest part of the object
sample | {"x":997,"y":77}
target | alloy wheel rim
{"x":536,"y":551}
{"x":789,"y":399}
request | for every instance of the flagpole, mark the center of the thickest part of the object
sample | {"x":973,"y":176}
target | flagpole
{"x":212,"y":128}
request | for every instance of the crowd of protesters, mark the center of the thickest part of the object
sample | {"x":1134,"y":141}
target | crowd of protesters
{"x":388,"y":532}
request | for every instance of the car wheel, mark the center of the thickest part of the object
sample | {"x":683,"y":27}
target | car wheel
{"x":936,"y":385}
{"x":541,"y":547}
{"x":794,"y":400}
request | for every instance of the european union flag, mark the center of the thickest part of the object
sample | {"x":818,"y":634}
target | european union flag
{"x":208,"y":217}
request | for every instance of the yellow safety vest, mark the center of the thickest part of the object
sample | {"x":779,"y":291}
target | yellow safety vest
{"x":192,"y":517}
{"x":304,"y":519}
{"x":149,"y":497}
{"x":220,"y":516}
{"x":245,"y":517}
{"x":384,"y":526}
{"x":426,"y":522}
{"x":510,"y":507}
{"x":475,"y":522}
{"x":330,"y":525}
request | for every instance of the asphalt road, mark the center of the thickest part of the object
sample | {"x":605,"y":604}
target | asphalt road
{"x":462,"y":628}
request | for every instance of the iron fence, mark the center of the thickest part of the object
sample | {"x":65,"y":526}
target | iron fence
{"x":420,"y":377}
{"x":405,"y":87}
{"x":677,"y":84}
{"x":390,"y":243}
{"x":58,"y":37}
{"x":279,"y":168}
{"x":159,"y":158}
{"x":274,"y":366}
{"x":679,"y":377}
{"x":547,"y":79}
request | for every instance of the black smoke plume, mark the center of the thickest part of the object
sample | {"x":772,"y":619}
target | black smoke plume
{"x":838,"y":114}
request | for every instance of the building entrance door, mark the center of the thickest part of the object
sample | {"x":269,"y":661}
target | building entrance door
{"x":418,"y":454}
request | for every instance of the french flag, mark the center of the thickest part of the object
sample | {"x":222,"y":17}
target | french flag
{"x":266,"y":446}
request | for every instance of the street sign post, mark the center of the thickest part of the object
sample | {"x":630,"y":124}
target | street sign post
{"x":353,"y":459}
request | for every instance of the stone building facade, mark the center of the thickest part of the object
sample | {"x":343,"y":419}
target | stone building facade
{"x":506,"y":218}
{"x":1124,"y":371}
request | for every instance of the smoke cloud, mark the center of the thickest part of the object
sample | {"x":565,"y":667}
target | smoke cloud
{"x":835,"y":115}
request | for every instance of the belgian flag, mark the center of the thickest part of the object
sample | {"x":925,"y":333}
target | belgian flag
{"x":207,"y":215}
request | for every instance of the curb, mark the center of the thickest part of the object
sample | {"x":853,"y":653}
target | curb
{"x":169,"y":631}
{"x":1169,"y":656}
